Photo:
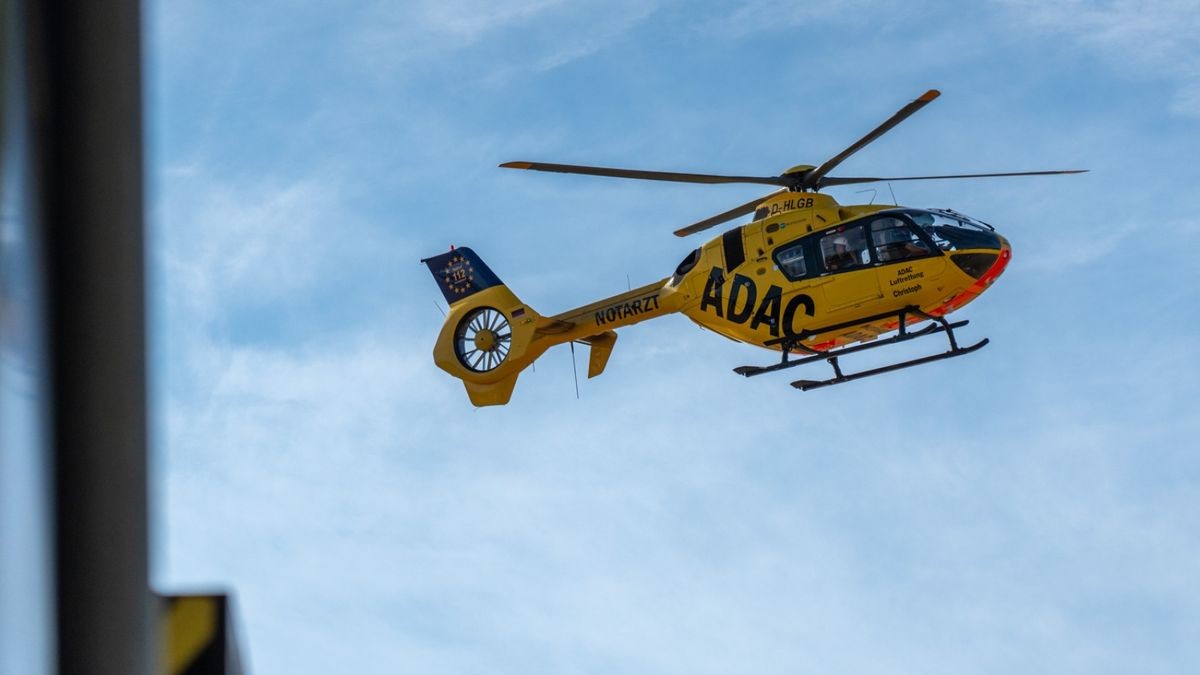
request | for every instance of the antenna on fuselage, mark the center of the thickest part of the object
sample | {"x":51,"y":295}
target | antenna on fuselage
{"x":574,"y":371}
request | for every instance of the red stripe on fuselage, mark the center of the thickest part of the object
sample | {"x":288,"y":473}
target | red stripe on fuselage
{"x":976,"y":288}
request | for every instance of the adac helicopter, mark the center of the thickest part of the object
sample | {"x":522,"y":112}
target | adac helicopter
{"x":808,"y":277}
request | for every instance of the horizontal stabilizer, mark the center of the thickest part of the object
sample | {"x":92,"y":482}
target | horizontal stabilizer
{"x":601,"y":348}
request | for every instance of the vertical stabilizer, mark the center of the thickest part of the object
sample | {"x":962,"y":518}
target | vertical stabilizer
{"x":460,"y":273}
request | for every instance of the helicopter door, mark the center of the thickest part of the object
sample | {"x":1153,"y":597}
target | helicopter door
{"x":906,"y":261}
{"x":847,"y":277}
{"x":757,"y":250}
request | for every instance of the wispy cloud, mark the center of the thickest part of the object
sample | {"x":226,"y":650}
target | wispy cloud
{"x":538,"y":36}
{"x":1146,"y":40}
{"x":468,"y":20}
{"x":256,"y":243}
{"x":587,"y":37}
{"x":1062,"y":250}
{"x":737,"y":20}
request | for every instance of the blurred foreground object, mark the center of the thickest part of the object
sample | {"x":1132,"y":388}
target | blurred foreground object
{"x":74,"y":595}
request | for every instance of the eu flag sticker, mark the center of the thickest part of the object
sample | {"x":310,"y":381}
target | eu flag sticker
{"x":460,"y":273}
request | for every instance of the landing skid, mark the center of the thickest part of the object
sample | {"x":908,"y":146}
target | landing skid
{"x":792,"y":343}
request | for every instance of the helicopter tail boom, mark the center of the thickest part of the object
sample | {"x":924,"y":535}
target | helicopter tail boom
{"x":490,"y":335}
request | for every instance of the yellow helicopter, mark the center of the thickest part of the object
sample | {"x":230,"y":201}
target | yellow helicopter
{"x":808,"y":277}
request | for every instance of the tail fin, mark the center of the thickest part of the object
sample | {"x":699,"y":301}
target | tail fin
{"x":487,"y":339}
{"x":460,"y":274}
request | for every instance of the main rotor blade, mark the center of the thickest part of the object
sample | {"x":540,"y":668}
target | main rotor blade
{"x":813,"y":178}
{"x":736,"y":211}
{"x":834,"y":180}
{"x":647,"y":175}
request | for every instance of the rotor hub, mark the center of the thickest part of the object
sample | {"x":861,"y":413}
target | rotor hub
{"x":486,"y":340}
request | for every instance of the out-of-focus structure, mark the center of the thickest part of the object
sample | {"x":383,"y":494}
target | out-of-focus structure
{"x":74,"y":591}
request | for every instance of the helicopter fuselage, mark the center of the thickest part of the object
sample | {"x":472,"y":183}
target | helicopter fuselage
{"x":807,"y":262}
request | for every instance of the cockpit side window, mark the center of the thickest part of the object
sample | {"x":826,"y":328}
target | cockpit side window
{"x":894,"y":240}
{"x":844,"y":249}
{"x":791,"y":260}
{"x":686,"y":265}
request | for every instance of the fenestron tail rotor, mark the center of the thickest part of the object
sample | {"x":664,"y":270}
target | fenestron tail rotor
{"x":483,"y":339}
{"x":801,"y":179}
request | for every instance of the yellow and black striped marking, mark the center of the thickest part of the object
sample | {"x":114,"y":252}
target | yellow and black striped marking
{"x":196,"y":636}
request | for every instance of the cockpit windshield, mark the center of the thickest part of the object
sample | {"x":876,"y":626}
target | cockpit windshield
{"x":953,"y":231}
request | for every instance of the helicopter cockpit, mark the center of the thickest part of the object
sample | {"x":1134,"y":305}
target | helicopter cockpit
{"x":952,"y":231}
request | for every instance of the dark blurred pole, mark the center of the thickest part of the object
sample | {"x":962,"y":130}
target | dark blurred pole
{"x":85,"y":91}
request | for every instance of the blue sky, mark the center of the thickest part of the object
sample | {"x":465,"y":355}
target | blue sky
{"x":1030,"y":508}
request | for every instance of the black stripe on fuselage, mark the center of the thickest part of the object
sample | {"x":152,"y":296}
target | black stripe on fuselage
{"x":731,"y":245}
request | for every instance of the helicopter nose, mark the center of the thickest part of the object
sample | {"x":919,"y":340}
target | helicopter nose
{"x":993,"y":270}
{"x":984,"y":264}
{"x":985,"y":269}
{"x":998,"y":266}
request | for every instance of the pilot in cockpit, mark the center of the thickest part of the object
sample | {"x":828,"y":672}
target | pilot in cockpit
{"x":841,"y":258}
{"x":895,"y":242}
{"x":923,"y":221}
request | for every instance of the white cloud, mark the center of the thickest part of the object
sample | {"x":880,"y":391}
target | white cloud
{"x":1149,"y":40}
{"x":538,"y":36}
{"x":333,"y":394}
{"x":468,"y":20}
{"x":1059,"y":250}
{"x":237,"y":241}
{"x":754,"y":16}
{"x":226,"y":245}
{"x":587,"y":39}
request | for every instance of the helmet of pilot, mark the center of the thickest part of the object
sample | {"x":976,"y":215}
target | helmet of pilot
{"x":923,"y":219}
